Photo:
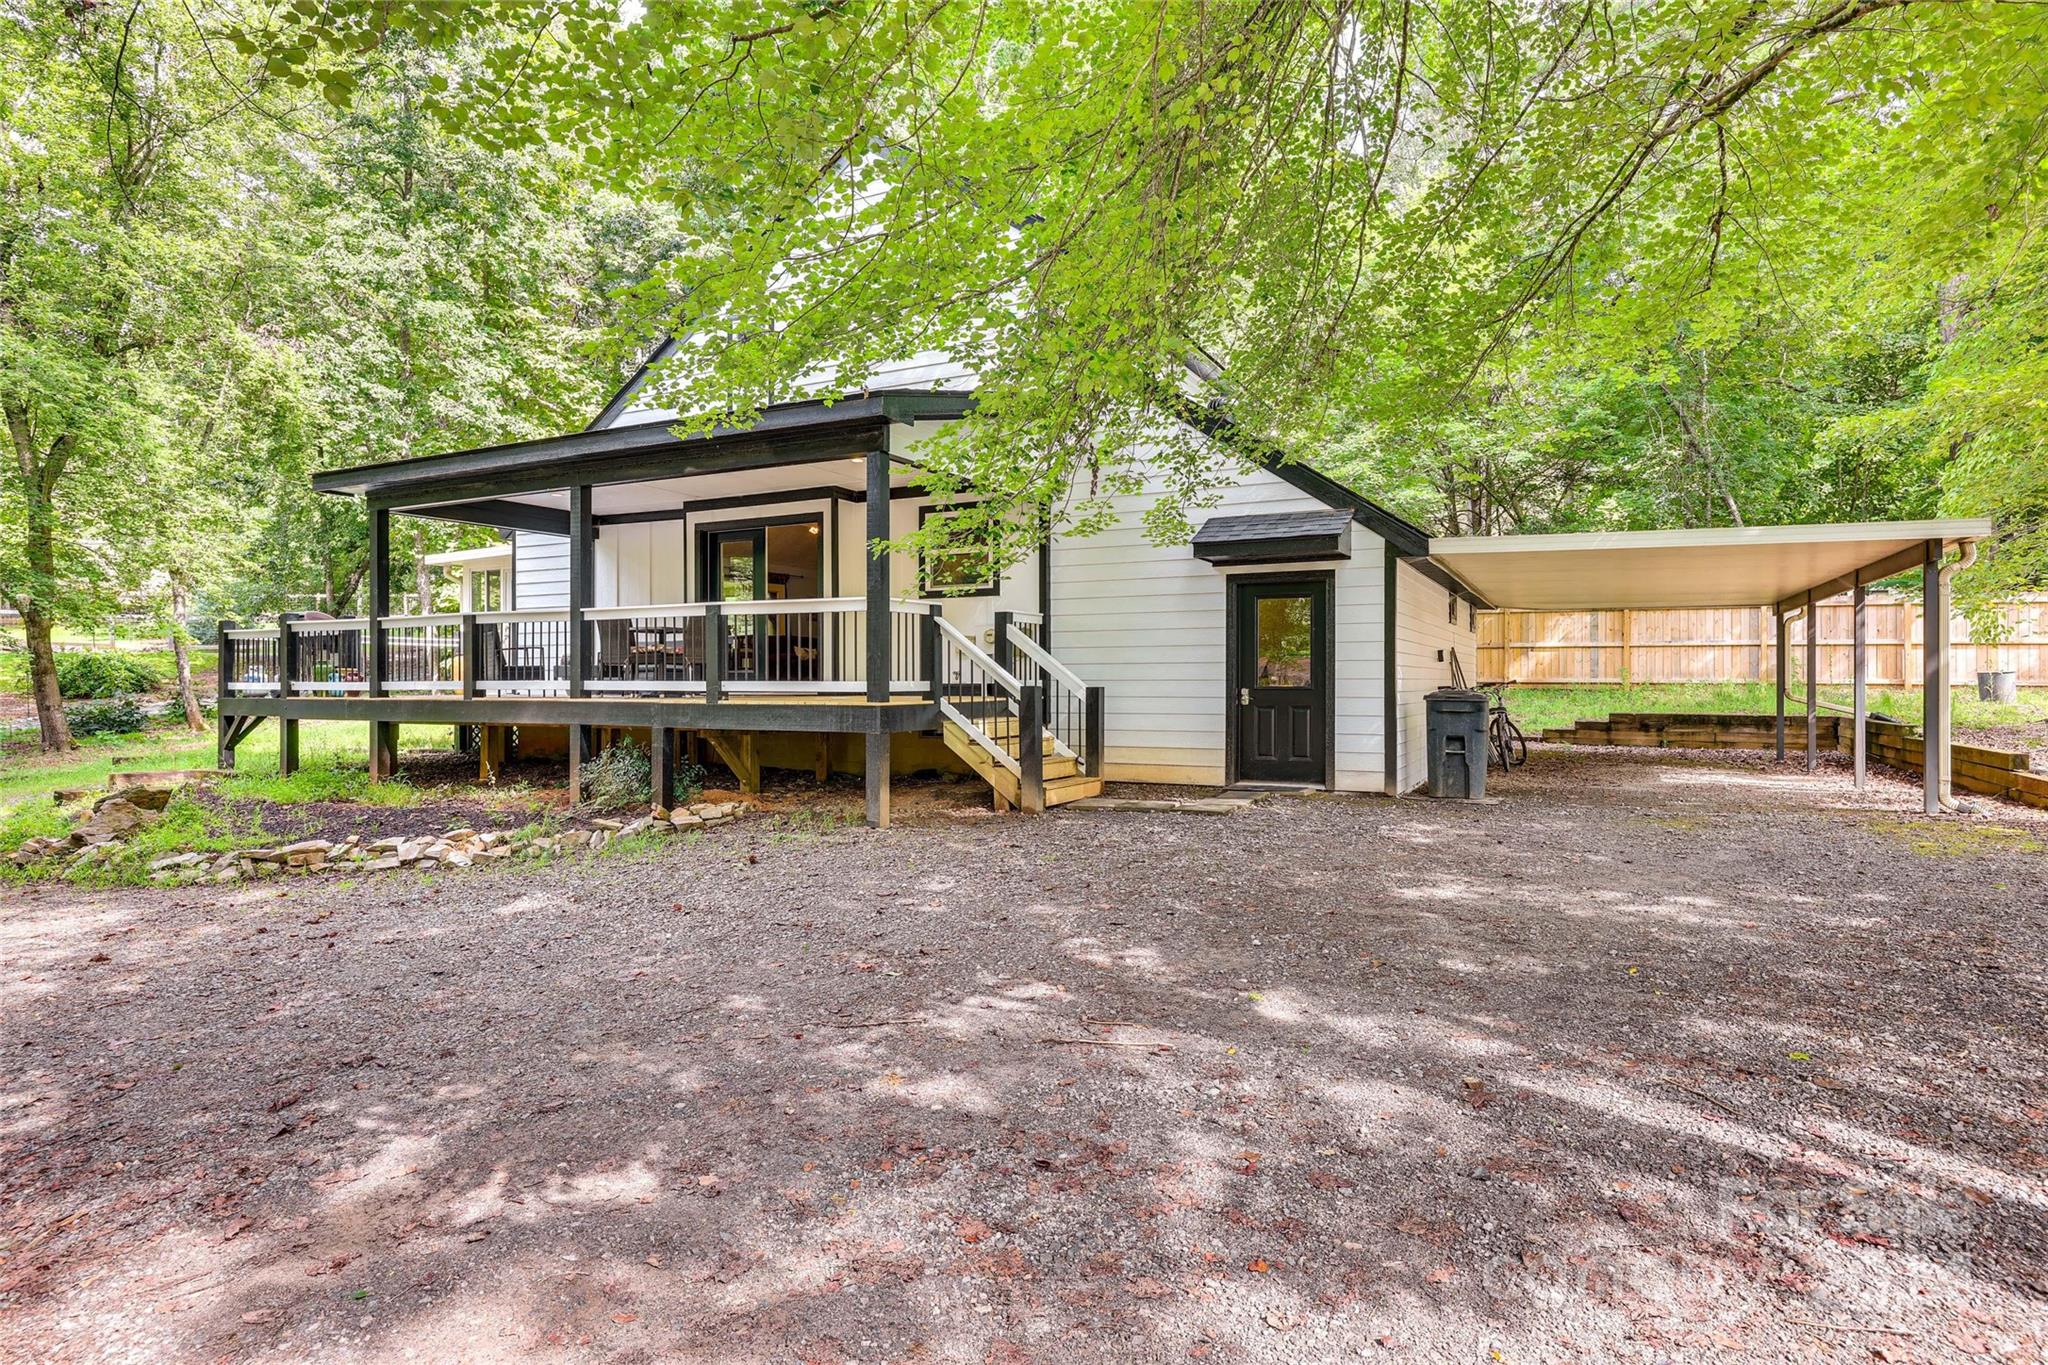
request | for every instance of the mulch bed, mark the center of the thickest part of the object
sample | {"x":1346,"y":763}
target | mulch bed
{"x":1662,"y":1057}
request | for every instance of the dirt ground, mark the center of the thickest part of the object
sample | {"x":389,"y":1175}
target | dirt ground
{"x":1660,"y":1058}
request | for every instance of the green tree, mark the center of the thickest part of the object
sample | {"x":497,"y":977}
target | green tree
{"x":117,"y":227}
{"x":1567,"y":240}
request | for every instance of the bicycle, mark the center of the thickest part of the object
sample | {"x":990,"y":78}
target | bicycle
{"x":1503,"y":736}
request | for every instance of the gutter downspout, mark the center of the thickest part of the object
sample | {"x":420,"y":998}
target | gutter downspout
{"x":1936,"y":746}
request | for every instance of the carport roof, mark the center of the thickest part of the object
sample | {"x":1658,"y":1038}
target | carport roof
{"x":1741,"y":566}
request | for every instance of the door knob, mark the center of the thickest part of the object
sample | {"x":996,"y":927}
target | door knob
{"x":1244,"y":696}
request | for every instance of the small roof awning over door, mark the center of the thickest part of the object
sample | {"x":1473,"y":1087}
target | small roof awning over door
{"x":1273,"y":537}
{"x":1740,"y":566}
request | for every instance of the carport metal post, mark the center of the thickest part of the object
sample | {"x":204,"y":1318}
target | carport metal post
{"x":1784,"y":646}
{"x":1810,"y":624}
{"x":1934,"y":678}
{"x":1861,"y":668}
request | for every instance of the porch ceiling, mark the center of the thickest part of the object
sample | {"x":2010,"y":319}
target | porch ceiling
{"x":659,"y":495}
{"x":1744,"y":566}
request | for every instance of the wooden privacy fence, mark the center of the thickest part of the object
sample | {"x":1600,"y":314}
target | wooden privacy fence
{"x":1735,"y":644}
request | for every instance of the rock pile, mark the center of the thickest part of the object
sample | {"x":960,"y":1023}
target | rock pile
{"x":101,"y":833}
{"x":454,"y":848}
{"x":104,"y":832}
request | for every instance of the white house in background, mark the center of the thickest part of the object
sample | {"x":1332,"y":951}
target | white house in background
{"x":722,"y":585}
{"x":483,"y":576}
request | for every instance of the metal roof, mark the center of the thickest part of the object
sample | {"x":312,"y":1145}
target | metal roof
{"x":1738,"y":566}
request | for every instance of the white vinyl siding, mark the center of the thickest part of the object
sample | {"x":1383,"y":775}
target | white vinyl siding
{"x":540,"y":571}
{"x":1422,"y":631}
{"x":1147,"y":622}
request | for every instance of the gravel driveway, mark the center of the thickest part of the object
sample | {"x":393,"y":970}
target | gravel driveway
{"x":1657,"y":1059}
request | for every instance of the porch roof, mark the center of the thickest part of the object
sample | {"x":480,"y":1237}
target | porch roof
{"x":787,"y":433}
{"x":1741,"y":566}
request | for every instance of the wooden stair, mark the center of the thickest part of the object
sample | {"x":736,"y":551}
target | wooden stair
{"x":1063,"y":778}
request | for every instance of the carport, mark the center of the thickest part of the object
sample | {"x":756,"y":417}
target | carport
{"x":1785,"y":568}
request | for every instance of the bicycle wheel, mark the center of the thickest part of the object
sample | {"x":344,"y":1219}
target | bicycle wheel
{"x":1514,"y":748}
{"x":1497,"y":742}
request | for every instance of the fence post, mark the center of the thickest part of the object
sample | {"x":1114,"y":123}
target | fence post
{"x":1031,"y":747}
{"x":1628,"y":646}
{"x":714,"y":652}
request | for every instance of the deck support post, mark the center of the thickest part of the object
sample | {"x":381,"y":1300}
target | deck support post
{"x":1934,"y":681}
{"x":579,"y":739}
{"x":661,"y":759}
{"x":581,"y":563}
{"x":383,"y":749}
{"x":1812,"y":625}
{"x":877,"y":777}
{"x":1860,"y":667}
{"x":878,"y":589}
{"x":287,"y":747}
{"x":1784,"y":647}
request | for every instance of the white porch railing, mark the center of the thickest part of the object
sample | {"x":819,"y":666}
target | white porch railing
{"x":802,"y":645}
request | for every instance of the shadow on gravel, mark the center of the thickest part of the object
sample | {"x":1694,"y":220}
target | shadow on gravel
{"x":1623,"y":1068}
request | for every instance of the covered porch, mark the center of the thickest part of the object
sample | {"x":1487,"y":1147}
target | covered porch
{"x":1789,"y":570}
{"x":726,"y":584}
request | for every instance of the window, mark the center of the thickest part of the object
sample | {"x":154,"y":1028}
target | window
{"x":487,"y":590}
{"x":953,"y":575}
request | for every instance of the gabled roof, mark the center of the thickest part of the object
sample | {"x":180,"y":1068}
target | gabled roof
{"x":623,"y":399}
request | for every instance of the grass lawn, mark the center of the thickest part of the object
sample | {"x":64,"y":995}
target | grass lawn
{"x":232,"y":813}
{"x":1539,"y":708}
{"x":329,"y":751}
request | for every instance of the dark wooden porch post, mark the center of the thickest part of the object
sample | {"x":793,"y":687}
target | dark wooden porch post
{"x":383,"y":734}
{"x":581,"y":585}
{"x":287,"y":669}
{"x":224,"y":650}
{"x":878,"y":592}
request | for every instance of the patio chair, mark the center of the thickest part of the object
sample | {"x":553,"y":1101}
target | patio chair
{"x":614,"y":649}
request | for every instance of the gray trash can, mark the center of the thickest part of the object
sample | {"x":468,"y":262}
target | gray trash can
{"x":1998,"y":684}
{"x":1457,"y":743}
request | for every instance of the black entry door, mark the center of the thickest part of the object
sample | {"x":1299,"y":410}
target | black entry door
{"x":1280,"y":680}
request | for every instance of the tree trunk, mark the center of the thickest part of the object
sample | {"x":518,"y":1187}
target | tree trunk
{"x":181,"y":650}
{"x":422,"y":573}
{"x":42,"y":673}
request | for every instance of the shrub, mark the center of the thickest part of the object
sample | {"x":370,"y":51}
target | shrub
{"x":116,"y":716}
{"x":620,"y":776}
{"x":103,"y":675}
